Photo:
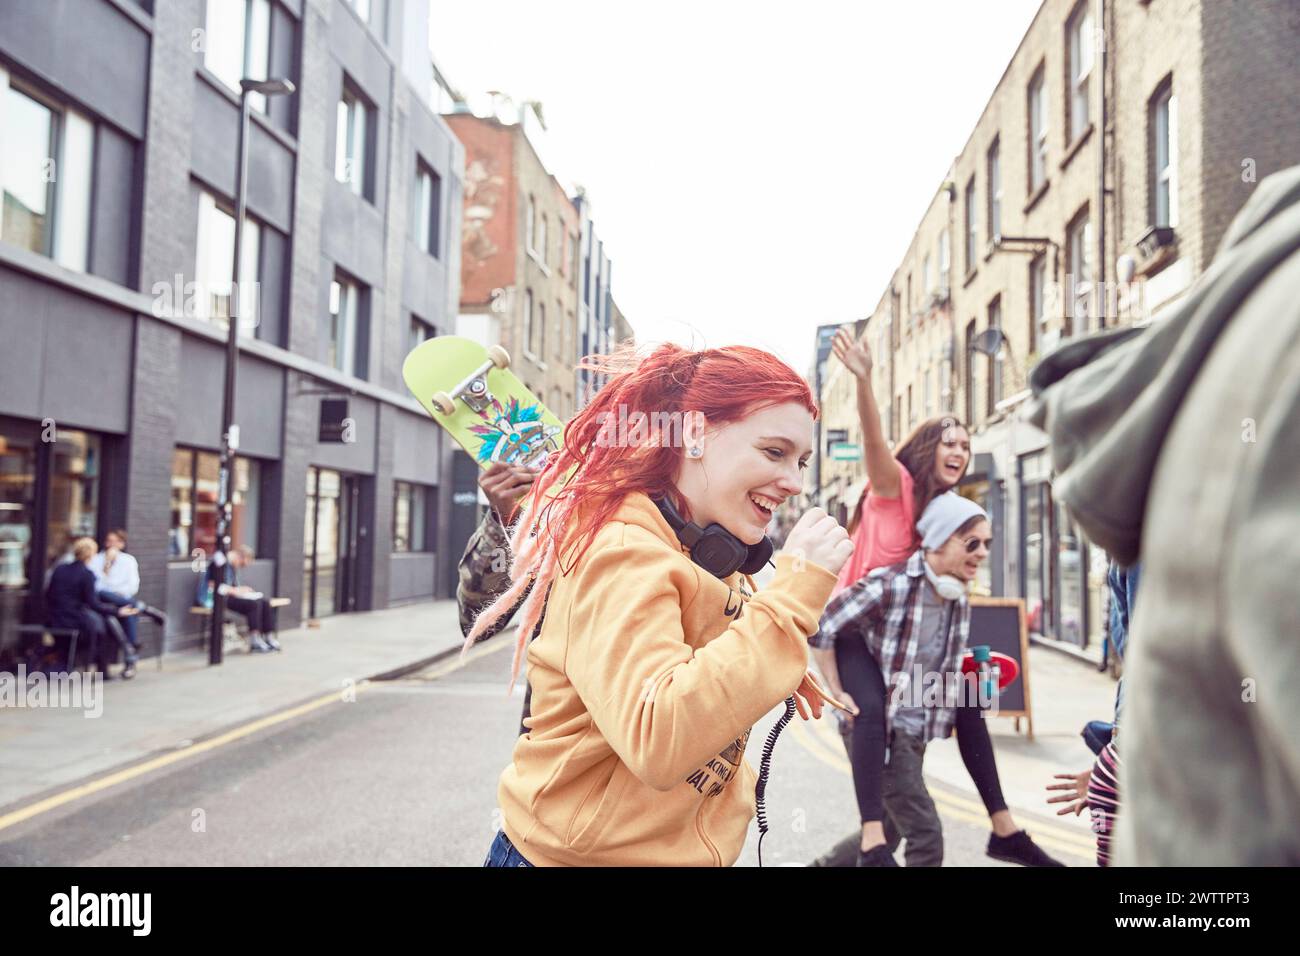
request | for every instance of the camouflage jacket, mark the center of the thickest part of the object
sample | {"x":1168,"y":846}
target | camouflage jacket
{"x":484,"y":573}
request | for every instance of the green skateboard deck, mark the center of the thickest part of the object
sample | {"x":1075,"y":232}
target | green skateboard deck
{"x":470,"y":391}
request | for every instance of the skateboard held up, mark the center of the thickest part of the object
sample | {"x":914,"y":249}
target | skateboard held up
{"x":470,"y":391}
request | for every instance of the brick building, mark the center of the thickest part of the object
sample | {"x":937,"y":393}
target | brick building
{"x":1183,"y":105}
{"x":521,"y":248}
{"x":115,"y":283}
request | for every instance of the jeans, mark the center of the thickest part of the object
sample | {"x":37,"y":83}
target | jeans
{"x":128,"y":623}
{"x":503,"y":853}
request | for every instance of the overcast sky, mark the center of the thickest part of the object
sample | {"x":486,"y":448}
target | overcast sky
{"x":756,"y":169}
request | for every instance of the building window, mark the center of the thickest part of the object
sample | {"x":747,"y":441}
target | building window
{"x":911,"y":411}
{"x":214,"y":266}
{"x":528,"y":321}
{"x":44,"y":212}
{"x":1079,"y":70}
{"x":345,"y":327}
{"x":1037,"y":303}
{"x":530,"y":226}
{"x":195,"y":486}
{"x":945,"y":260}
{"x":1079,"y":254}
{"x":929,"y":392}
{"x":237,"y":44}
{"x":540,"y":245}
{"x":562,"y":331}
{"x":540,"y":326}
{"x":418,"y":331}
{"x":1164,"y":171}
{"x":426,"y":215}
{"x":972,"y":226}
{"x":351,"y":143}
{"x":995,"y":193}
{"x":995,"y":361}
{"x":971,"y":389}
{"x":1037,"y":131}
{"x":411,"y":515}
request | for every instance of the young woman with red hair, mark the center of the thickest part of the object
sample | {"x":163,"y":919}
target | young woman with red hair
{"x":651,"y":654}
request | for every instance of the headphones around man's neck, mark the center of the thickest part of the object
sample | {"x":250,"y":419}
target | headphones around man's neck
{"x":714,"y":548}
{"x":947,"y":586}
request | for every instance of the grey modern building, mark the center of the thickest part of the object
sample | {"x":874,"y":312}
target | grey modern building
{"x":118,"y":128}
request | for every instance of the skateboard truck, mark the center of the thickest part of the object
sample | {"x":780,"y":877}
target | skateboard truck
{"x":473,"y":391}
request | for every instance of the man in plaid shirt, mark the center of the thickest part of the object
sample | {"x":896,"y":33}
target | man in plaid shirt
{"x":885,"y":609}
{"x":890,"y":647}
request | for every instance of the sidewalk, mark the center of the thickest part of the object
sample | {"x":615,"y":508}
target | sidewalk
{"x":42,"y":749}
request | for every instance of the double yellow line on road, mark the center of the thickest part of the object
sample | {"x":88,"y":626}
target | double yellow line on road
{"x":112,"y":779}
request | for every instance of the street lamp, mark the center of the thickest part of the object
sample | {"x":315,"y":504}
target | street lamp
{"x":229,"y":430}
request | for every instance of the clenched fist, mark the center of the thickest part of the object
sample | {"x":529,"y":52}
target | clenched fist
{"x":819,"y":538}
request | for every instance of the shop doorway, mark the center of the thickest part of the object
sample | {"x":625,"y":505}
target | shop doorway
{"x":49,"y":496}
{"x":330,"y":543}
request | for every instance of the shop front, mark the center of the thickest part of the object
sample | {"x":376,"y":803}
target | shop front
{"x":1062,"y":574}
{"x":50,"y":490}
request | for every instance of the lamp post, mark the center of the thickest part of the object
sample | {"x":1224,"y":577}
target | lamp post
{"x":229,"y":430}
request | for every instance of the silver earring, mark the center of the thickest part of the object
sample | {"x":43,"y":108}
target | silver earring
{"x":695,"y":452}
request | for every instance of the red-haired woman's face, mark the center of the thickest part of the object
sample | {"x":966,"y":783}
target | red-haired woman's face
{"x":951,"y":456}
{"x":747,"y":469}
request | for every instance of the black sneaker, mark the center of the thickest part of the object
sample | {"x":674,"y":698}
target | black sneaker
{"x":878,"y":855}
{"x":1019,"y":848}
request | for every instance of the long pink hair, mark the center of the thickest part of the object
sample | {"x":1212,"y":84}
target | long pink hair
{"x":583,"y":484}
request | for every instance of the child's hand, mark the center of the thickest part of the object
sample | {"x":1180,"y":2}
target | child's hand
{"x":1076,"y":795}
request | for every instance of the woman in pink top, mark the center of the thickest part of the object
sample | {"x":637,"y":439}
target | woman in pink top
{"x":900,"y":485}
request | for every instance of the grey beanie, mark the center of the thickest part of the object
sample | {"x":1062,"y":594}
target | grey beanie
{"x":943,"y":516}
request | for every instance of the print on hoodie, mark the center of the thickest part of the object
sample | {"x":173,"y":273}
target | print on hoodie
{"x":723,"y":766}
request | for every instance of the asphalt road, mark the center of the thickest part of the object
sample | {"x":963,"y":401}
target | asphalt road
{"x":405,"y":775}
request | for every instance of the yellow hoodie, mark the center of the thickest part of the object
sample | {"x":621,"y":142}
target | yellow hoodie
{"x":646,"y":678}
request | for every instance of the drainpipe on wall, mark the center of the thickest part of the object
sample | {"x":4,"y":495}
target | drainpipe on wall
{"x":1100,"y":67}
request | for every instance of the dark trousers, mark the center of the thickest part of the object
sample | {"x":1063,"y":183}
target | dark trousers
{"x":909,"y":809}
{"x":103,"y":634}
{"x":128,"y":624}
{"x":861,"y":677}
{"x":258,"y":612}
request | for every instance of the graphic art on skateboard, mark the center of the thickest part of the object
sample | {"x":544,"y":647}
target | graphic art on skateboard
{"x":470,"y":391}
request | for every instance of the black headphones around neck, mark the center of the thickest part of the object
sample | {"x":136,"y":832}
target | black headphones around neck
{"x":714,"y":548}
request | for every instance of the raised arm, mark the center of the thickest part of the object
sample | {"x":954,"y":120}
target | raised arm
{"x":882,"y":467}
{"x":663,"y":705}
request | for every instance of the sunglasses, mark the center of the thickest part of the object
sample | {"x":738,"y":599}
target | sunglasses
{"x":973,"y":544}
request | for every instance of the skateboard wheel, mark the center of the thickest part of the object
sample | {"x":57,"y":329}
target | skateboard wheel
{"x":499,"y":356}
{"x":443,"y":403}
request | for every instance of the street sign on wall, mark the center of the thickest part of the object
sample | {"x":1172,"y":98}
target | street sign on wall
{"x":843,"y":451}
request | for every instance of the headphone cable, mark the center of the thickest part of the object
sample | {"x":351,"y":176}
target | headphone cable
{"x":765,"y":764}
